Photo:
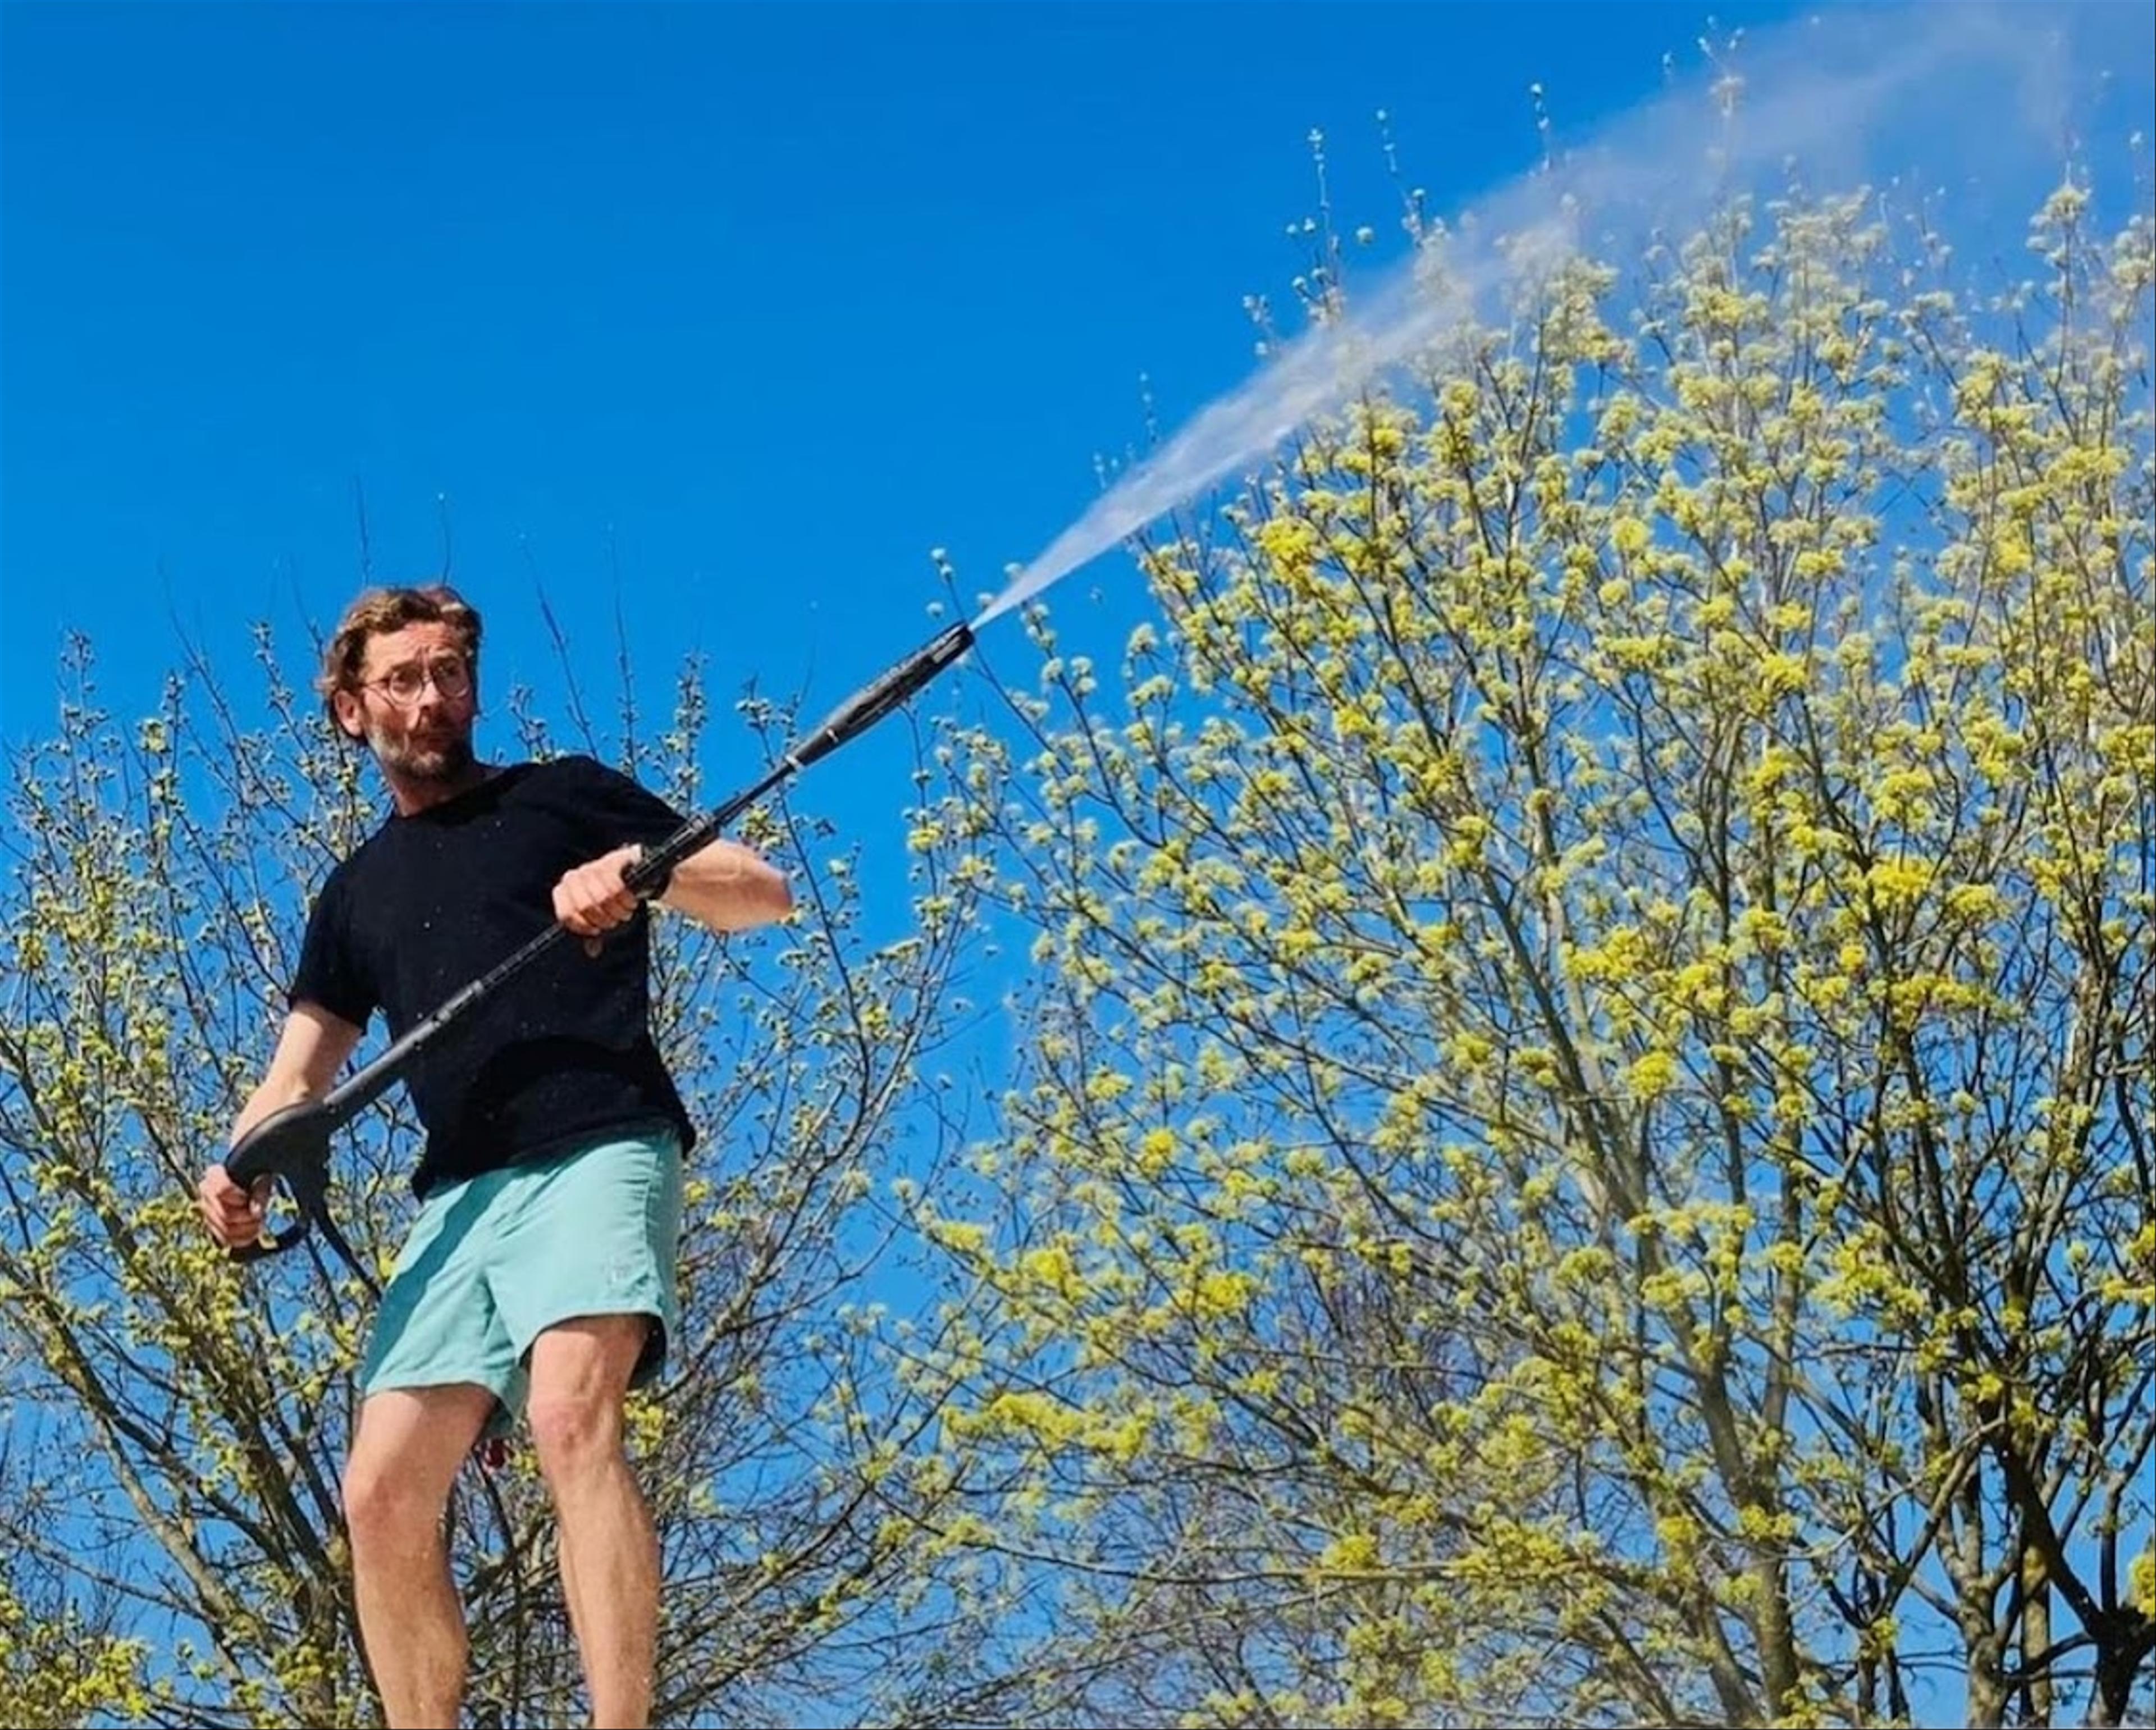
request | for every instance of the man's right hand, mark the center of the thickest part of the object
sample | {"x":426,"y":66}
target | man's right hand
{"x":310,"y":1051}
{"x":235,"y":1216}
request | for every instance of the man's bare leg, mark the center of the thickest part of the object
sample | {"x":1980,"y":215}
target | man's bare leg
{"x":580,"y":1372}
{"x":404,"y":1458}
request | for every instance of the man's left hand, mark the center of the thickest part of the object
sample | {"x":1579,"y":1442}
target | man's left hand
{"x":590,"y":900}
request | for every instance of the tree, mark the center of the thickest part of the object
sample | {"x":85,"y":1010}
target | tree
{"x":60,"y":1656}
{"x":1583,"y":1153}
{"x":179,"y":1549}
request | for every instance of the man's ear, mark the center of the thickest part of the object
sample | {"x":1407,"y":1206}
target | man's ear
{"x":351,"y":713}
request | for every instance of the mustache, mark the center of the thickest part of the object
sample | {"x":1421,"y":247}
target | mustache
{"x":427,"y":752}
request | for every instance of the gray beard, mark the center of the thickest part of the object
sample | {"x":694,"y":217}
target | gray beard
{"x":443,"y":764}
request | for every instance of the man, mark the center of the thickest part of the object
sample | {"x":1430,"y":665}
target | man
{"x":539,"y":1273}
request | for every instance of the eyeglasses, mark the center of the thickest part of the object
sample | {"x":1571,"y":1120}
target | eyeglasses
{"x":451,"y":676}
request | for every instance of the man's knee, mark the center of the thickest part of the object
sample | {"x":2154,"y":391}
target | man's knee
{"x":580,"y":1376}
{"x":384,"y":1507}
{"x":575,"y":1430}
{"x":404,"y":1458}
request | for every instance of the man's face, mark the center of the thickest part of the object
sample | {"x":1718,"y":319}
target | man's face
{"x":416,"y":729}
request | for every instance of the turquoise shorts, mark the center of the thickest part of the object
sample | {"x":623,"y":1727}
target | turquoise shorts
{"x":492,"y":1262}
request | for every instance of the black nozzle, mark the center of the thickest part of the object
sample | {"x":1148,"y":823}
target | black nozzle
{"x":872,"y":702}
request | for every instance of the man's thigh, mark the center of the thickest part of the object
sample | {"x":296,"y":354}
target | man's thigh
{"x":438,"y":1324}
{"x":409,"y":1443}
{"x":595,"y":1233}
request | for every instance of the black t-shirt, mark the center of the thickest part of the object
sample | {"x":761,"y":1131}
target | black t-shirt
{"x":558,"y":1053}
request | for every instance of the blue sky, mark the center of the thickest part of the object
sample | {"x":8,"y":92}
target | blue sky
{"x":722,"y":315}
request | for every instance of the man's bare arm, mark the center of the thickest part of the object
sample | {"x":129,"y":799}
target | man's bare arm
{"x":723,"y":884}
{"x":728,"y":887}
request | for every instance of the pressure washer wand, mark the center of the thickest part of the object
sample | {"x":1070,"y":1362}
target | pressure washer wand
{"x":293,"y":1144}
{"x":649,"y":876}
{"x":873,"y":701}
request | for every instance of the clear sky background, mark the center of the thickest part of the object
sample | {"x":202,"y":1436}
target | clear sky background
{"x":714,"y":318}
{"x":719,"y":316}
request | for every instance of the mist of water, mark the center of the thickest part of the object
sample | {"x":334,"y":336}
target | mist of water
{"x":1966,"y":95}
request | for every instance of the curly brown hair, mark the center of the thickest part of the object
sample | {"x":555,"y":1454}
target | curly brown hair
{"x":380,"y":610}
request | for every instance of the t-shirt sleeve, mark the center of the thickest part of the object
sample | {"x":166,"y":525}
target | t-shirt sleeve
{"x":330,"y":973}
{"x":619,"y":809}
